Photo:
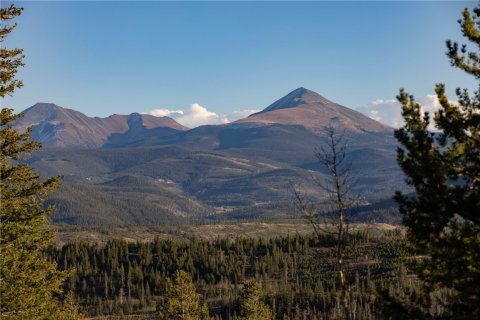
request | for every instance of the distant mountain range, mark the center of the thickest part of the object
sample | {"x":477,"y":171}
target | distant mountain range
{"x":55,"y":126}
{"x":144,"y":169}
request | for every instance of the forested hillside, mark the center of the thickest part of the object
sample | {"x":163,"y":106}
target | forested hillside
{"x":295,"y":272}
{"x":165,"y":184}
{"x":141,"y":169}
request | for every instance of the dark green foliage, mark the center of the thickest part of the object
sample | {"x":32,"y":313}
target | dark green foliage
{"x":29,"y":283}
{"x":295,"y":273}
{"x":181,"y":301}
{"x":251,"y":306}
{"x":443,"y":217}
{"x":12,"y":59}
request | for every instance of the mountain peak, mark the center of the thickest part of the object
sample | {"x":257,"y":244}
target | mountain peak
{"x":40,"y":111}
{"x":43,"y":106}
{"x":300,"y":90}
{"x":309,"y":109}
{"x":297,"y":97}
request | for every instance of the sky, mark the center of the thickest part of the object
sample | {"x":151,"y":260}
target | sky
{"x":214,"y":62}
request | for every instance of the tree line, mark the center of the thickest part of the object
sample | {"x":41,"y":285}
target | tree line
{"x":295,"y":273}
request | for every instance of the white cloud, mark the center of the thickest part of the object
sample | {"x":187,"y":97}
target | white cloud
{"x":430,"y":103}
{"x":197,"y":115}
{"x":382,"y":102}
{"x":388,"y":111}
{"x":164,"y":113}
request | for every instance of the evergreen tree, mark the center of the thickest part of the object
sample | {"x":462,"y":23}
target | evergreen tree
{"x":28,"y":282}
{"x":251,"y":306}
{"x":443,"y":217}
{"x":181,"y":301}
{"x":12,"y":59}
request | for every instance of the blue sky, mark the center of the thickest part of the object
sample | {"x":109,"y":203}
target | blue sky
{"x":121,"y":57}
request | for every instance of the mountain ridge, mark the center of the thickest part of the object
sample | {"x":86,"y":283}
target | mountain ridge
{"x":62,"y":127}
{"x":150,"y":173}
{"x":56,"y":126}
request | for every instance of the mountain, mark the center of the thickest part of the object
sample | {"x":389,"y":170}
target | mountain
{"x":311,"y":110}
{"x":55,"y":126}
{"x":288,"y":130}
{"x":158,"y":172}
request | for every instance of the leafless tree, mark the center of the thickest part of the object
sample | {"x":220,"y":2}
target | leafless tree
{"x":330,"y":216}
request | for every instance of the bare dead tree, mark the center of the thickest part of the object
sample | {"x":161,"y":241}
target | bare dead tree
{"x":330,"y":216}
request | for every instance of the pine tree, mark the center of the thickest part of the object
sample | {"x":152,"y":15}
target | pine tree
{"x":12,"y":59}
{"x":251,"y":306}
{"x":443,"y":217}
{"x":181,"y":301}
{"x":28,"y":282}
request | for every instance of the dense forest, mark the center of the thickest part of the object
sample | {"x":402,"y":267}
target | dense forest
{"x":296,"y":273}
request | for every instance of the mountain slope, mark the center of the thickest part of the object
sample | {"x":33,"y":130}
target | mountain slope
{"x":55,"y":126}
{"x":311,"y":110}
{"x":243,"y":169}
{"x":158,"y":185}
{"x":288,"y":130}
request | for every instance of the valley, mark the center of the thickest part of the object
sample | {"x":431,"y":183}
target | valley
{"x":150,"y":170}
{"x":68,"y":233}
